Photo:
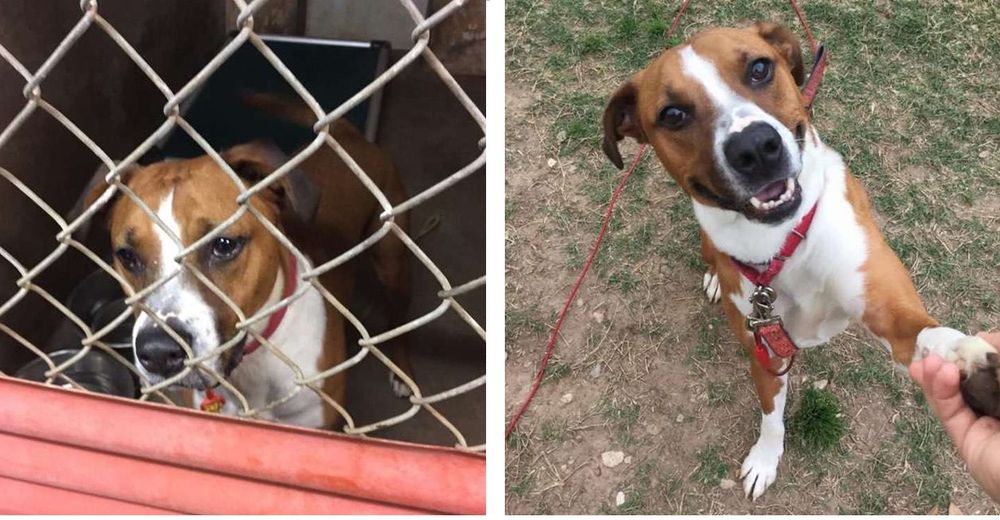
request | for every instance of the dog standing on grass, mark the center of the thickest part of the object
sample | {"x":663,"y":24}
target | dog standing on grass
{"x":320,"y":206}
{"x":793,"y":251}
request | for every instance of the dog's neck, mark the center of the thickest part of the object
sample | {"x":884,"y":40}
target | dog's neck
{"x":729,"y":230}
{"x":300,"y":338}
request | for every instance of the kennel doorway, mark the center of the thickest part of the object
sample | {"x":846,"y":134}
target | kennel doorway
{"x":74,"y":65}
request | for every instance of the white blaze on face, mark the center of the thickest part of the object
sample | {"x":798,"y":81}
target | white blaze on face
{"x":733,"y":113}
{"x":178,"y":298}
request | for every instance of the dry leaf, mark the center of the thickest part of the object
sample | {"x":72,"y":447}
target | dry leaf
{"x":954,"y":510}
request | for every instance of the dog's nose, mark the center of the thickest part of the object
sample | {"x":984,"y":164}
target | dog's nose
{"x":158,"y":352}
{"x":755,"y":151}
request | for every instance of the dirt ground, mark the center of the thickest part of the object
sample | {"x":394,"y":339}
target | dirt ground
{"x":645,"y":365}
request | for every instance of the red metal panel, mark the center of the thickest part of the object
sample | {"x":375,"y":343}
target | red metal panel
{"x":201,"y":463}
{"x":18,"y":497}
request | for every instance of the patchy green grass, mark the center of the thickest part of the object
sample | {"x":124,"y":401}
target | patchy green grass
{"x":720,"y":394}
{"x":909,"y":100}
{"x":926,"y":444}
{"x":621,"y":416}
{"x":818,"y":424}
{"x":557,"y":370}
{"x":711,"y":468}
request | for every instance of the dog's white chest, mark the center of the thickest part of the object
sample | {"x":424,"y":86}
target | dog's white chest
{"x":821,"y":287}
{"x":265,"y":379}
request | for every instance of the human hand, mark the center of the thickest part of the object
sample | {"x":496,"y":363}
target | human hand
{"x":976,"y":438}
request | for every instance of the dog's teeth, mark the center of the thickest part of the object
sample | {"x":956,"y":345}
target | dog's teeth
{"x":789,"y":185}
{"x":756,"y":203}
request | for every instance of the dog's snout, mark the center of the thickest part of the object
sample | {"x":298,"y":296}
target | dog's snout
{"x":755,"y":151}
{"x":157,"y":350}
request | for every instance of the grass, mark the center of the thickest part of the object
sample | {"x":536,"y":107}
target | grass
{"x":926,"y":443}
{"x":557,"y":370}
{"x":817,"y":425}
{"x":711,"y":468}
{"x":621,"y":416}
{"x":909,"y":100}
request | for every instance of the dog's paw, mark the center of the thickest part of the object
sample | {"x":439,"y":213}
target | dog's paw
{"x":760,"y":468}
{"x":399,"y":388}
{"x":713,"y":291}
{"x":970,"y":353}
{"x":978,"y":365}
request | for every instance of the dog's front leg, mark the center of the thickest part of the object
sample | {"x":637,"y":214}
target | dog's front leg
{"x":760,"y":468}
{"x":894,"y":313}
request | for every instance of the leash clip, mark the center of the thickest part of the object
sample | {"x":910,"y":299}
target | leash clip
{"x":762,"y":300}
{"x":768,"y":330}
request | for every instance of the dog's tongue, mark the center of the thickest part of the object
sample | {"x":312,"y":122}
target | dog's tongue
{"x":771,"y":191}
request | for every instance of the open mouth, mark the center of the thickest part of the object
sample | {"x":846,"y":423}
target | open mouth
{"x":775,"y":200}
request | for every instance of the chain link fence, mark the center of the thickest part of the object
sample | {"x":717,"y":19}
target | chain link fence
{"x":91,"y":20}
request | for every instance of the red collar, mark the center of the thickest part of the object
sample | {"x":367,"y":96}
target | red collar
{"x":291,"y":282}
{"x":792,"y":241}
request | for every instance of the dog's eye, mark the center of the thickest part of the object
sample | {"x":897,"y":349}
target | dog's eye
{"x":760,"y":71}
{"x":129,"y":259}
{"x":226,"y":248}
{"x":673,"y":117}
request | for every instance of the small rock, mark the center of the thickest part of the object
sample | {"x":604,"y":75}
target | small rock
{"x":628,"y":459}
{"x":985,"y":154}
{"x":596,"y":371}
{"x":653,"y":429}
{"x":561,"y":136}
{"x":821,"y":384}
{"x":612,"y":458}
{"x":620,"y":498}
{"x":954,"y":510}
{"x":727,"y":484}
{"x":680,"y":417}
{"x":563,"y":467}
{"x":805,"y":378}
{"x":551,"y":163}
{"x":598,"y":316}
{"x":566,"y":399}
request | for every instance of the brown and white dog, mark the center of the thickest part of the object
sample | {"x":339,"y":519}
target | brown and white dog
{"x":320,"y":206}
{"x":725,"y":117}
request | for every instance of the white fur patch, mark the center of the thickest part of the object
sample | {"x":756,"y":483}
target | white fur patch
{"x":262,"y":377}
{"x":712,"y":287}
{"x":760,"y":468}
{"x":733,"y":112}
{"x":179,"y":298}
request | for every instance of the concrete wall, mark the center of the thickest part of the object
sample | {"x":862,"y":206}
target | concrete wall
{"x":104,"y":93}
{"x":371,"y":20}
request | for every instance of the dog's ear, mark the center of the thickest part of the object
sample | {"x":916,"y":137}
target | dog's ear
{"x":93,"y":191}
{"x":787,"y":44}
{"x":620,"y":121}
{"x":296,"y":193}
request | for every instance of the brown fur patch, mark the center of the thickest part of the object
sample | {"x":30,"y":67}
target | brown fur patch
{"x":663,"y":83}
{"x":893,"y":309}
{"x":206,"y":197}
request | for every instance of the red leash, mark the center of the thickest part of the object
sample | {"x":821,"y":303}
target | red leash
{"x":572,"y":295}
{"x":808,"y":93}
